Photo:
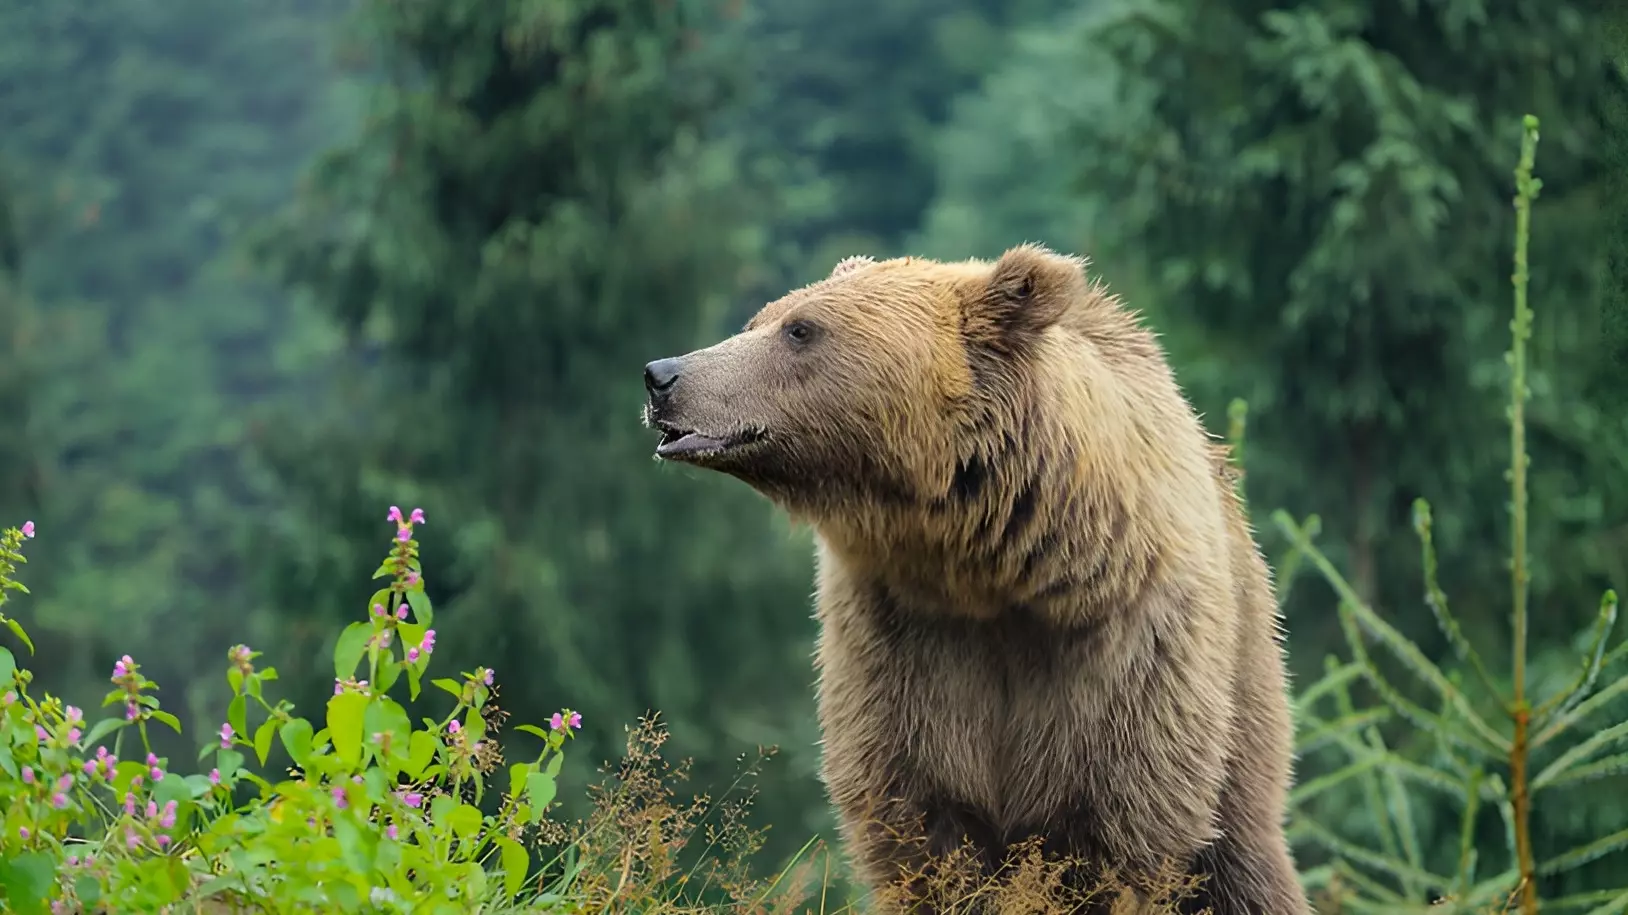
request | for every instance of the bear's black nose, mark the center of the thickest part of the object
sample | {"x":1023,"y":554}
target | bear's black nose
{"x":660,"y":376}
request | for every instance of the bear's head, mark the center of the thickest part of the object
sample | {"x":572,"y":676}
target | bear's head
{"x":871,"y":386}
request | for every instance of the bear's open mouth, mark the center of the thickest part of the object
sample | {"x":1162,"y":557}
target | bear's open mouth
{"x":679,"y":442}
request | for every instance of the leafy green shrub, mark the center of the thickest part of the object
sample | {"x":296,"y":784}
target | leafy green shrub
{"x":379,"y":814}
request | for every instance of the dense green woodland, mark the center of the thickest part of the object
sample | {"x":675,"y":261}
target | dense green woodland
{"x":265,"y":268}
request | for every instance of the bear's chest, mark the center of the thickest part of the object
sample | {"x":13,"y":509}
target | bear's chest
{"x":999,"y":714}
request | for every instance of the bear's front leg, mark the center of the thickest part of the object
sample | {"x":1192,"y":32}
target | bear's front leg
{"x":1248,"y":872}
{"x":922,"y":856}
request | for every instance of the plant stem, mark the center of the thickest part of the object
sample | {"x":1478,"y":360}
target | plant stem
{"x":1526,"y":190}
{"x":1521,"y":801}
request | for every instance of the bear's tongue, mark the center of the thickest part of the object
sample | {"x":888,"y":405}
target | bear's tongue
{"x":688,"y":443}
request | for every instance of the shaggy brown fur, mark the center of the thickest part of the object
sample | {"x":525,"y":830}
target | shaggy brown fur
{"x":1042,"y":610}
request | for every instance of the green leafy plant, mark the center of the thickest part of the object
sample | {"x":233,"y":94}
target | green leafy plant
{"x":1506,"y":761}
{"x":377,"y":815}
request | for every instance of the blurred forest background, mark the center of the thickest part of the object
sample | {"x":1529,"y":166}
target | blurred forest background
{"x":267,"y":269}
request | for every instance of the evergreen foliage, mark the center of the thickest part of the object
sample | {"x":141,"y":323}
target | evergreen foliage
{"x":266,"y":268}
{"x":1481,"y":764}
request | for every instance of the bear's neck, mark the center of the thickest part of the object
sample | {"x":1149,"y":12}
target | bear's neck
{"x":1061,"y":537}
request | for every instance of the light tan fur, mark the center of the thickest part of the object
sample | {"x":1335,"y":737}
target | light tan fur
{"x":1042,"y":610}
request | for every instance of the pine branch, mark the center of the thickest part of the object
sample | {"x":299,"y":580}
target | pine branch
{"x":1563,"y":702}
{"x":1583,"y":854}
{"x":1437,"y":599}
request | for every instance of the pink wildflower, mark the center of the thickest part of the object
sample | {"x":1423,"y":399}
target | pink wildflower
{"x":214,"y":776}
{"x":339,"y":797}
{"x":410,"y":798}
{"x":74,"y":734}
{"x":74,"y":716}
{"x":405,"y":534}
{"x":226,"y":736}
{"x":59,"y":801}
{"x":39,"y":731}
{"x":488,"y":676}
{"x":163,"y":841}
{"x":131,"y":839}
{"x":28,"y":529}
{"x":576,"y":720}
{"x":23,"y":831}
{"x":28,"y":775}
{"x":378,"y":609}
{"x":395,"y":514}
{"x":417,"y":517}
{"x":401,"y":612}
{"x":390,"y":831}
{"x":152,"y":809}
{"x":130,"y":712}
{"x":454,"y":726}
{"x":412,"y":654}
{"x":129,"y":803}
{"x":65,"y":782}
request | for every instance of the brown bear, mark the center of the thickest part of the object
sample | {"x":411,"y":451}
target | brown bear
{"x":1042,"y":611}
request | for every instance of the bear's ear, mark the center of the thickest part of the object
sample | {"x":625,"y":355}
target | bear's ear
{"x":1029,"y":289}
{"x":849,"y":264}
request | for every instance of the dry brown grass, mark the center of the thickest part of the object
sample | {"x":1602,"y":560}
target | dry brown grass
{"x":1031,"y":883}
{"x":630,"y":853}
{"x":631,"y":850}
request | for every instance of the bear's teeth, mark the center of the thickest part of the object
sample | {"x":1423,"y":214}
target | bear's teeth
{"x":690,"y":443}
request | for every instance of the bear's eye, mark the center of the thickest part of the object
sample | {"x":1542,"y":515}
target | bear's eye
{"x":799,"y":332}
